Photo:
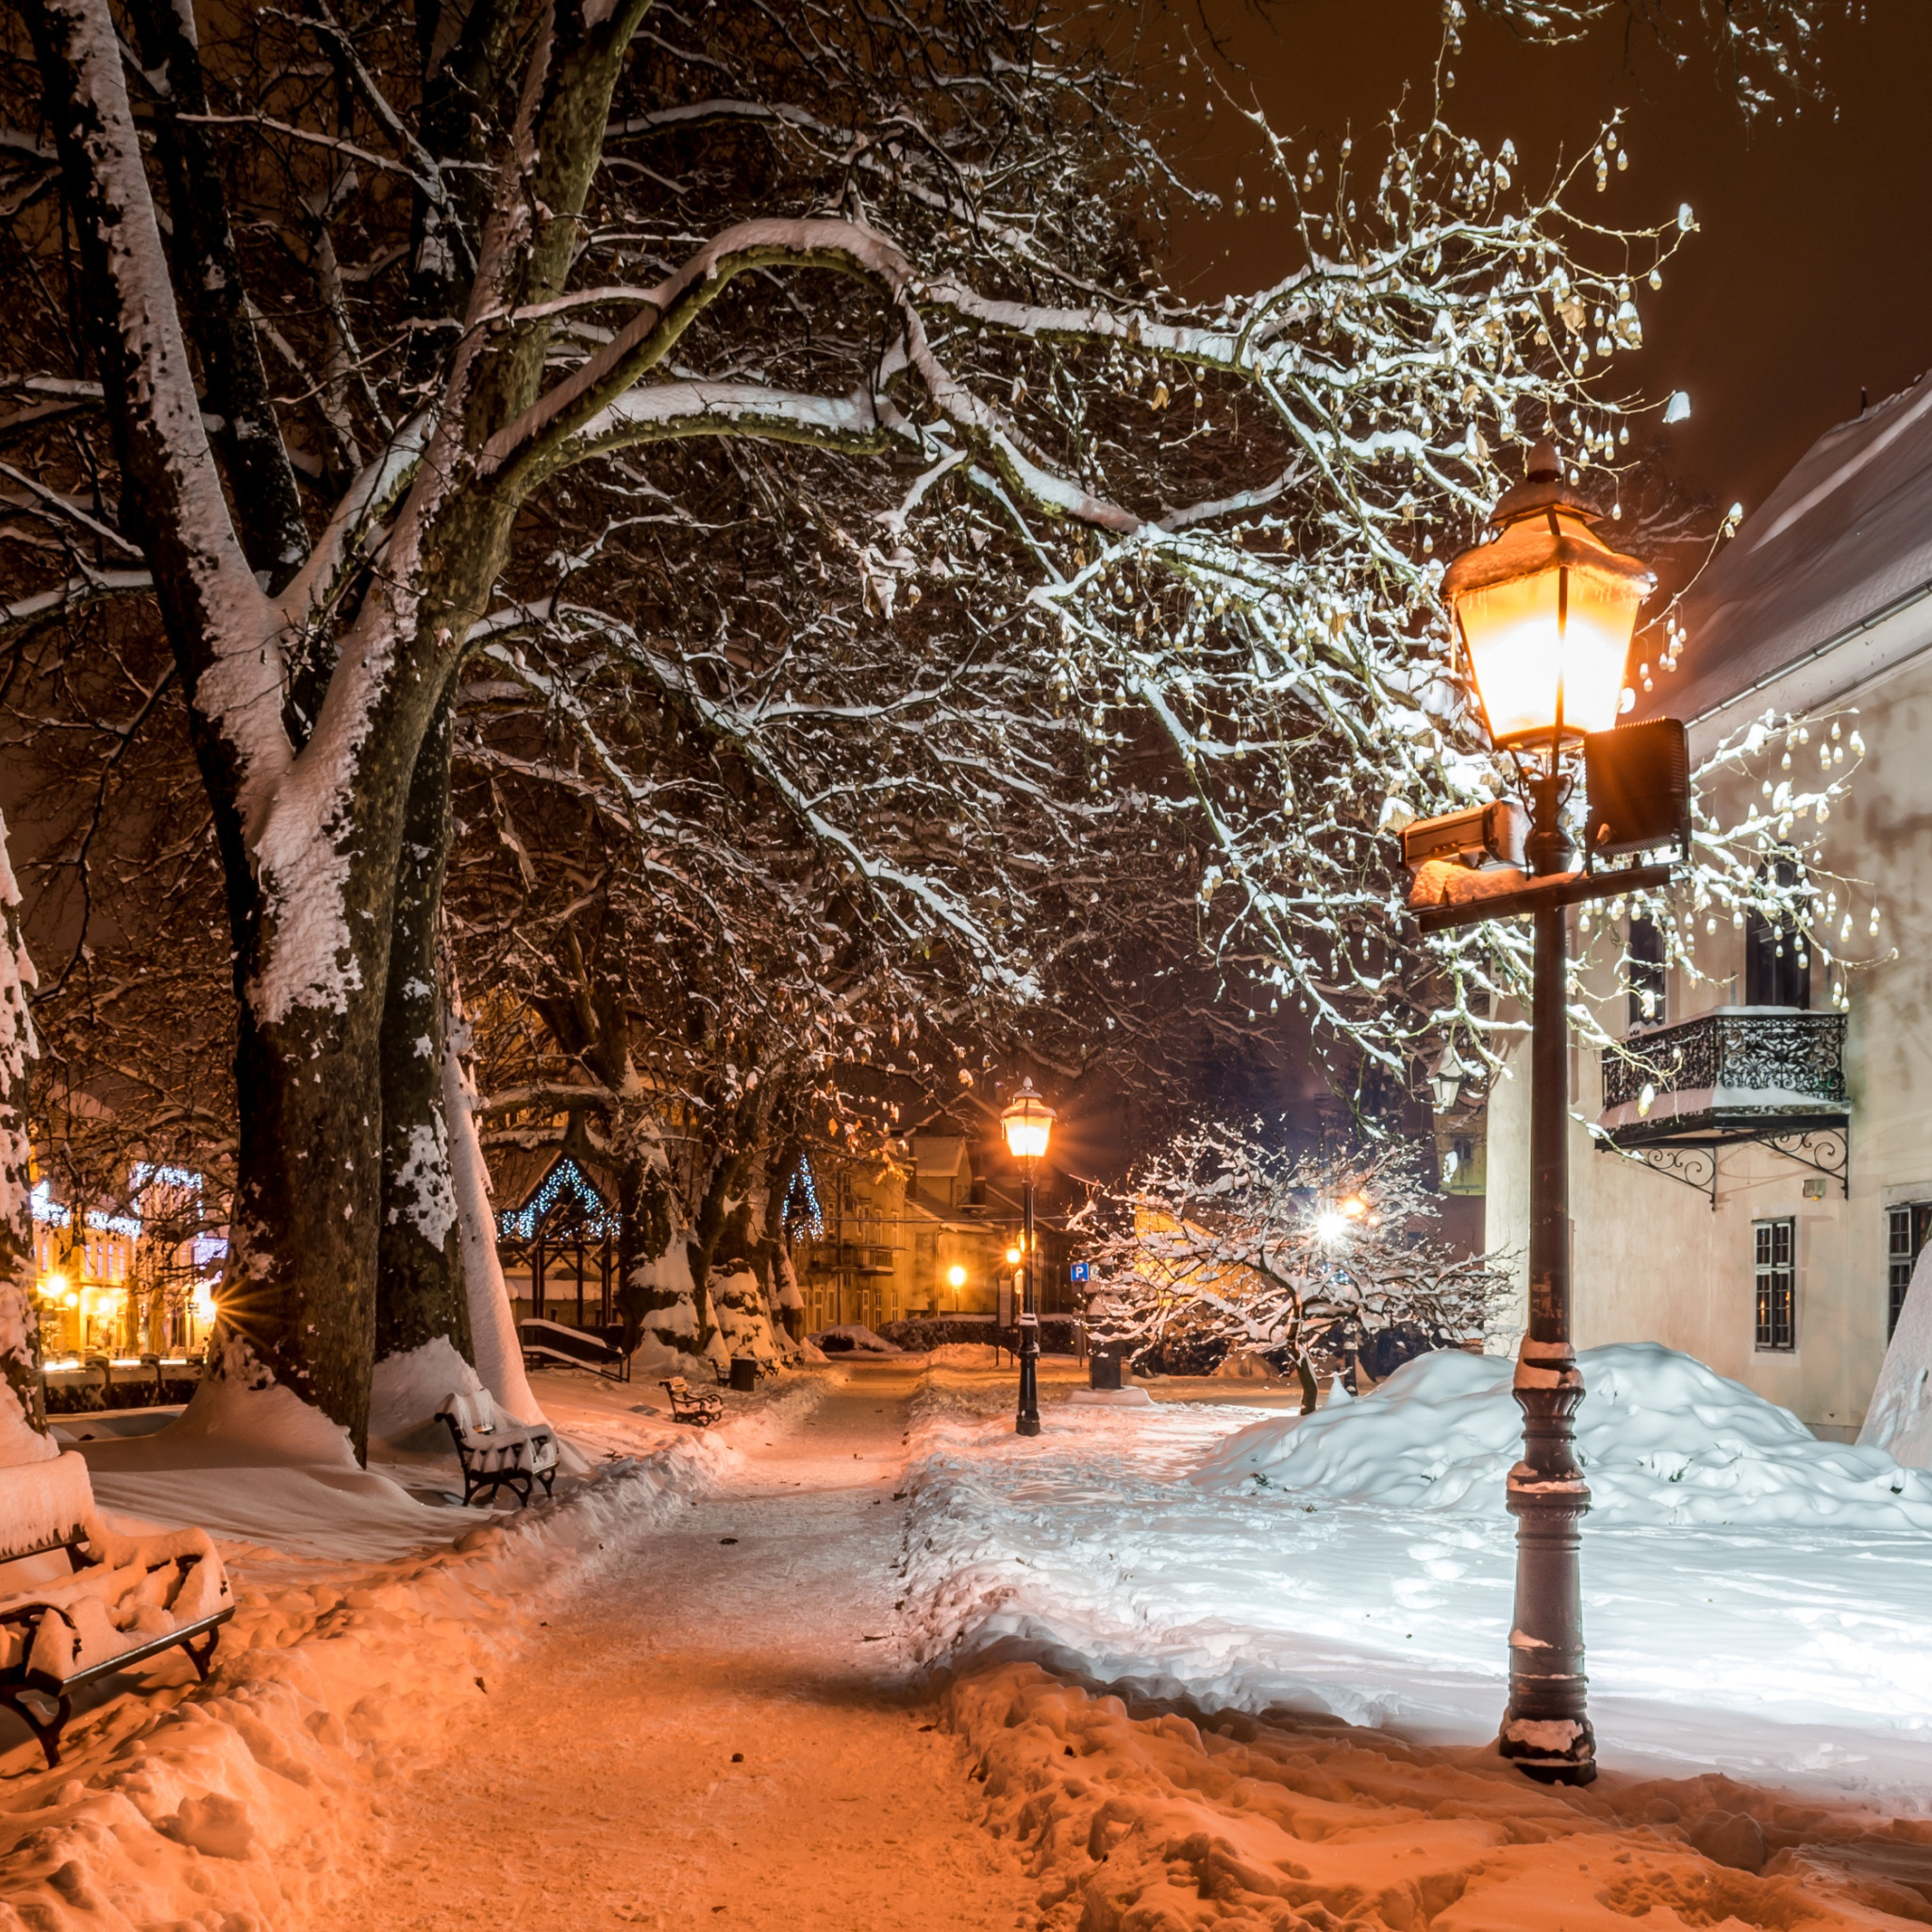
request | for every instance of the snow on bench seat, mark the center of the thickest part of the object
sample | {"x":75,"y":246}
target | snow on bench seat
{"x":127,"y":1597}
{"x":134,"y":1591}
{"x":495,"y":1449}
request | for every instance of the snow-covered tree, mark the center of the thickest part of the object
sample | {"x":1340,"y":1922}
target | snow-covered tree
{"x":567,"y":306}
{"x":1229,"y":1238}
{"x":22,"y":1416}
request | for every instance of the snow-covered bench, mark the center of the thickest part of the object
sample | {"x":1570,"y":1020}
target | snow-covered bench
{"x":497,"y":1450}
{"x":693,"y":1406}
{"x":126,"y":1597}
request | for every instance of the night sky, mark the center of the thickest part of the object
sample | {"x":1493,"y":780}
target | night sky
{"x":1812,"y":273}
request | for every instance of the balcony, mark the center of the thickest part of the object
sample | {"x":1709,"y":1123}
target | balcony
{"x":1741,"y":1071}
{"x":1773,"y":1075}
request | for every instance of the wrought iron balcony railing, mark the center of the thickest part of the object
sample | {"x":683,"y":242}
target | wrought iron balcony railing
{"x":1741,"y":1071}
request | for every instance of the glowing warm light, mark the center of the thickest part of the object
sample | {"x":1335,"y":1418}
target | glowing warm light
{"x":1012,"y":1257}
{"x":55,"y":1286}
{"x":1354,"y":1207}
{"x":204,"y":1301}
{"x":1547,"y":611}
{"x":1027,"y":1123}
{"x":70,"y":1300}
{"x":956,"y":1276}
{"x":1329,"y":1225}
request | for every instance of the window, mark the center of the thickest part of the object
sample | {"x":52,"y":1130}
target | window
{"x":1646,"y":973}
{"x":1778,"y":961}
{"x":1904,"y":1238}
{"x":1775,"y":1246}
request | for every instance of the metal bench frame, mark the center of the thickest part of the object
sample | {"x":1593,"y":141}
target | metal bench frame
{"x":695,"y":1406}
{"x":19,"y":1682}
{"x":516,"y":1477}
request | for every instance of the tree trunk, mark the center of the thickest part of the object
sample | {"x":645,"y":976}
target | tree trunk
{"x":419,"y":1269}
{"x":498,"y":1357}
{"x":23,"y":1412}
{"x":644,"y":1226}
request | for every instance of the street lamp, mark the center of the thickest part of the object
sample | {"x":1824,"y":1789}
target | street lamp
{"x":1446,"y":1081}
{"x":1027,"y":1123}
{"x":1545,"y":612}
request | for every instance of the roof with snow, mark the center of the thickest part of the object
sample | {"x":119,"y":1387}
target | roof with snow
{"x":1842,"y":542}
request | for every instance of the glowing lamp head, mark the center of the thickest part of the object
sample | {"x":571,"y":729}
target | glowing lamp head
{"x":203,"y":1302}
{"x":54,"y":1287}
{"x":1547,"y":611}
{"x":1027,"y":1123}
{"x":1330,"y":1225}
{"x":956,"y":1276}
{"x":1012,"y":1258}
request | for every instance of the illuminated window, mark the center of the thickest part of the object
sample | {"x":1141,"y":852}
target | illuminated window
{"x":1775,"y":1246}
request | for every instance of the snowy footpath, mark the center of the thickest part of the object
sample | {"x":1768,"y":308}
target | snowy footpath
{"x":861,"y":1659}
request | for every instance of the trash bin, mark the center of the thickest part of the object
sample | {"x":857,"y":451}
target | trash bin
{"x":1103,"y":1369}
{"x":744,"y":1373}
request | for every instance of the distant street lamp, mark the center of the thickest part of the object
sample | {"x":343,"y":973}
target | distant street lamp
{"x":956,"y":1279}
{"x":1545,"y":612}
{"x":1027,"y":1123}
{"x":1446,"y":1081}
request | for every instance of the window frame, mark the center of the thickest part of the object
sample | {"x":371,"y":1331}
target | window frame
{"x":1774,"y":1285}
{"x":1649,"y":973}
{"x":1773,"y":975}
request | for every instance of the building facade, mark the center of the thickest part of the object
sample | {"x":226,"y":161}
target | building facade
{"x":932,"y":1234}
{"x":1755,"y":1188}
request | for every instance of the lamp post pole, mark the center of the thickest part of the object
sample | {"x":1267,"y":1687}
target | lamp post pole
{"x":1544,"y":613}
{"x":1028,"y":1422}
{"x":1546,"y":1731}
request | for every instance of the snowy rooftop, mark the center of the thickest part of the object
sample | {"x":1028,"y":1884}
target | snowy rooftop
{"x":1842,"y":541}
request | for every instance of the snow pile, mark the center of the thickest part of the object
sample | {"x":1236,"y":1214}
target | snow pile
{"x":409,"y":1388}
{"x":854,"y":1337}
{"x":1663,"y":1441}
{"x":1900,"y":1418}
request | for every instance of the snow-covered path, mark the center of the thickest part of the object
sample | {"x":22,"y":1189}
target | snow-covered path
{"x":603,"y":1785}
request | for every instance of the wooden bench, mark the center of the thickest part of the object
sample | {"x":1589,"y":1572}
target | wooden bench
{"x":695,"y":1406}
{"x":125,"y":1599}
{"x":497,"y":1452}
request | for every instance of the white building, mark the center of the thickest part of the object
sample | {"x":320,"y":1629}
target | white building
{"x":1779,"y":1182}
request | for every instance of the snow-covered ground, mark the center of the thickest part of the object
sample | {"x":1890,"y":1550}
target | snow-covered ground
{"x":1136,"y":1545}
{"x":786,"y":1674}
{"x":369,"y":1624}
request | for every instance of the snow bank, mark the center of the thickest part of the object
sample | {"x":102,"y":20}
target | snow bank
{"x":410,"y":1388}
{"x":1663,"y":1441}
{"x":854,"y":1337}
{"x":238,"y":1402}
{"x":1900,"y":1418}
{"x":1136,"y":1815}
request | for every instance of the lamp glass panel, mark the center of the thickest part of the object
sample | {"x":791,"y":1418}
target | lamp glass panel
{"x":1522,"y":658}
{"x":1026,"y":1134}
